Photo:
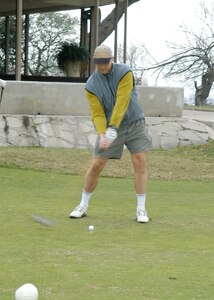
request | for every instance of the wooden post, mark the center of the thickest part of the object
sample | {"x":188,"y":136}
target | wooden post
{"x":19,"y":7}
{"x":125,"y":32}
{"x":27,"y":19}
{"x":94,"y":32}
{"x":115,"y":30}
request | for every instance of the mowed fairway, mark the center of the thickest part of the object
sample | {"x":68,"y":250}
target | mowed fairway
{"x":172,"y":257}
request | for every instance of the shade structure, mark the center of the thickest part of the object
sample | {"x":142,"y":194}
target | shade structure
{"x":8,"y":7}
{"x":21,"y":7}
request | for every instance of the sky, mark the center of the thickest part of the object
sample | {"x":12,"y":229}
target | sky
{"x":152,"y":22}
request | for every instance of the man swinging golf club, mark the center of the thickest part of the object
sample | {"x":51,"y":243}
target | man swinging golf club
{"x":119,"y":120}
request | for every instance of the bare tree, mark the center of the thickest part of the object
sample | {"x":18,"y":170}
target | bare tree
{"x":193,"y":60}
{"x":136,"y":57}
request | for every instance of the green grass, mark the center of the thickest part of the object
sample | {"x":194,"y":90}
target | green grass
{"x":169,"y":258}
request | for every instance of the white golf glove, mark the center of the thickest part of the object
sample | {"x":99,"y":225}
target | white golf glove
{"x":111,"y":134}
{"x":2,"y":83}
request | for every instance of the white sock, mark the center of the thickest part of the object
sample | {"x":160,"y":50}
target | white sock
{"x":141,"y":201}
{"x":85,"y":198}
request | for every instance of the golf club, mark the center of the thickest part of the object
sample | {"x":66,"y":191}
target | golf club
{"x":43,"y":220}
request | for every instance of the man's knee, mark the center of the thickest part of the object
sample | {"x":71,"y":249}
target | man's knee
{"x":97,"y":165}
{"x":139,"y":158}
{"x":139,"y":161}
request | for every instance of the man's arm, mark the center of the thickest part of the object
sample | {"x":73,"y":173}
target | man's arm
{"x":99,"y":119}
{"x":122,"y":99}
{"x":97,"y":113}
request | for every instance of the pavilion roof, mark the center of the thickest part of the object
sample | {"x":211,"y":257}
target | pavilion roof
{"x":8,"y":7}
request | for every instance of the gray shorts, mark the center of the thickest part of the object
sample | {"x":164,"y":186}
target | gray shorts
{"x":134,"y":136}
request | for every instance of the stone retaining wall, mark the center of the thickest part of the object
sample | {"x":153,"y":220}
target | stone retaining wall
{"x":79,"y":132}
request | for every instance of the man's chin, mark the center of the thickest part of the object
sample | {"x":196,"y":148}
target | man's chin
{"x":103,"y":73}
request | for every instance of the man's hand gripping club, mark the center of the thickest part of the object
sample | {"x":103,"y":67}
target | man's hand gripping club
{"x":108,"y":138}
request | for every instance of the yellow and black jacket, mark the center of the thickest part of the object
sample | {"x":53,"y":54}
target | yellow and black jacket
{"x":113,"y":98}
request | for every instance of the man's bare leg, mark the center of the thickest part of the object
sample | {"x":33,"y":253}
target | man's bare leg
{"x":91,"y":180}
{"x":93,"y":173}
{"x":140,"y":172}
{"x":141,"y":181}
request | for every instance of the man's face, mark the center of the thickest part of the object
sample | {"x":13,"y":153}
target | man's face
{"x":104,"y":68}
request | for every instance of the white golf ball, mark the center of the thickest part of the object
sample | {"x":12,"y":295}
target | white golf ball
{"x":27,"y":291}
{"x":91,"y":228}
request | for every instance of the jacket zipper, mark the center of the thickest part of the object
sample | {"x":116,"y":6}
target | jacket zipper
{"x":111,"y":89}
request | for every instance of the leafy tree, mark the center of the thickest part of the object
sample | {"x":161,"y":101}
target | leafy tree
{"x":193,"y":60}
{"x":43,"y":44}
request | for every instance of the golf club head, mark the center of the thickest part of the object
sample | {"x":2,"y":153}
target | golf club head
{"x":43,"y":221}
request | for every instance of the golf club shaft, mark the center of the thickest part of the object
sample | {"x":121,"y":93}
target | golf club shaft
{"x":2,"y":90}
